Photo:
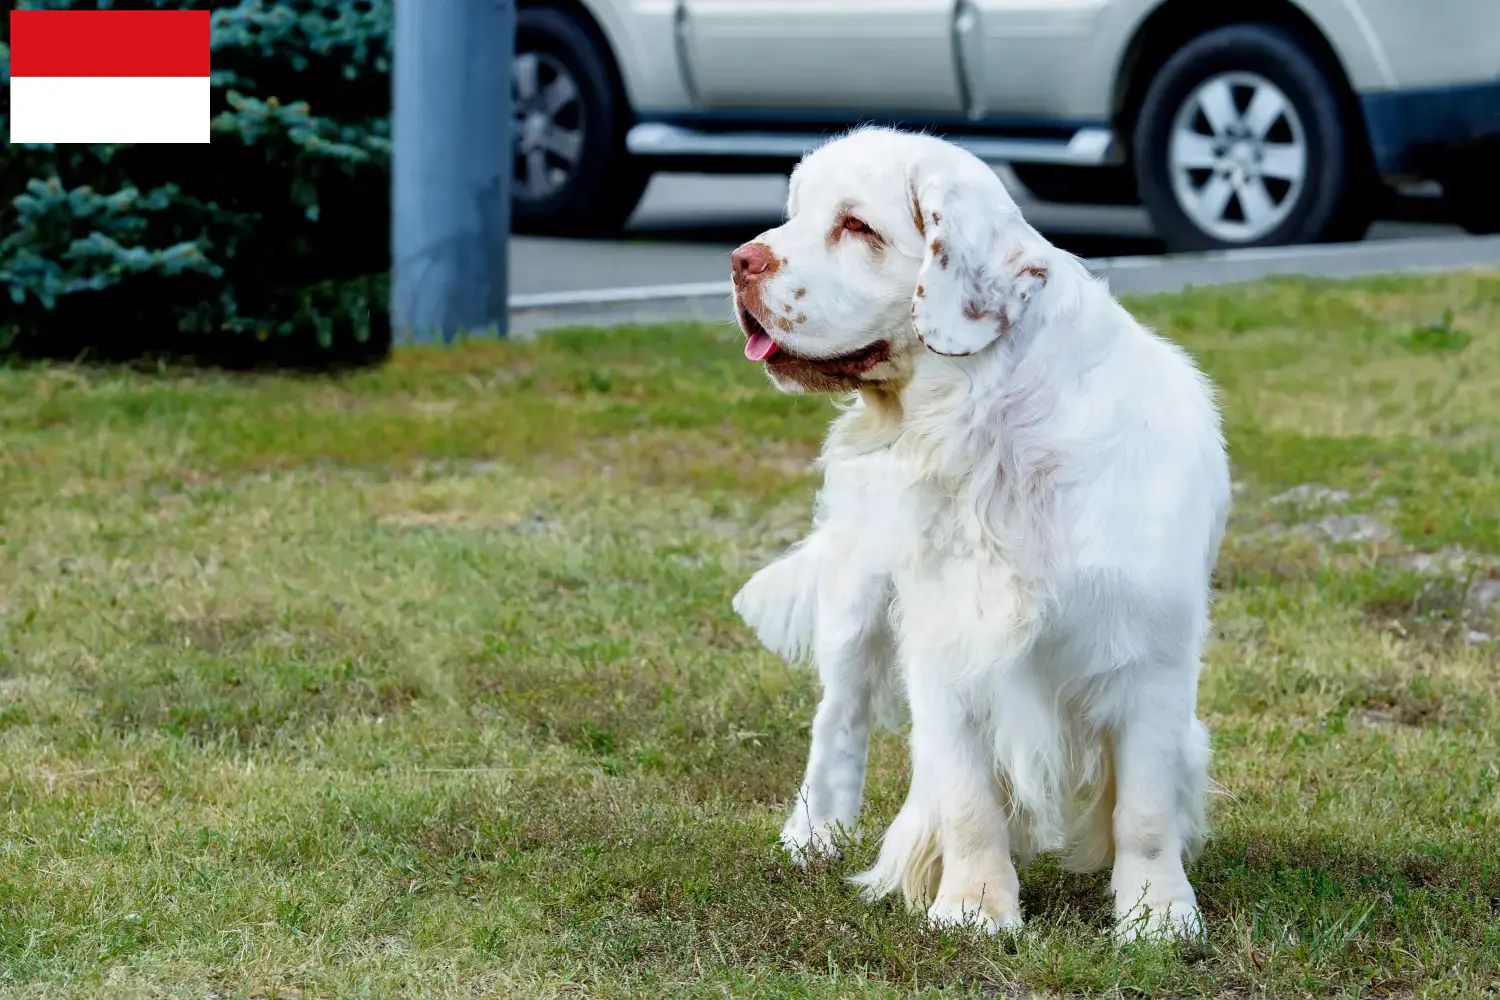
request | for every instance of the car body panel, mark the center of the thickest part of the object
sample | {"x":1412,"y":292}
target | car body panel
{"x":1345,"y":25}
{"x":1027,"y":76}
{"x":1062,"y":58}
{"x":1412,"y":131}
{"x":853,"y":55}
{"x":642,"y":38}
{"x":1056,"y":59}
{"x":1437,"y":43}
{"x":1030,"y":58}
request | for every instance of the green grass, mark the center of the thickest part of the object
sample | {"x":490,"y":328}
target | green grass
{"x":424,"y":681}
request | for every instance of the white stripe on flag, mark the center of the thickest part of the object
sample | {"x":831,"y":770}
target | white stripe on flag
{"x":59,"y":109}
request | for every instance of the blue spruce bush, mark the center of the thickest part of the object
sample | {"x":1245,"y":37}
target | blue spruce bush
{"x":276,"y":231}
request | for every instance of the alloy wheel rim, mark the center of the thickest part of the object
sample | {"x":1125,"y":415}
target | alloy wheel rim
{"x":1237,"y":157}
{"x":549,"y":125}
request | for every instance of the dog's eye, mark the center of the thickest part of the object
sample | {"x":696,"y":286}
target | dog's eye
{"x":852,"y":225}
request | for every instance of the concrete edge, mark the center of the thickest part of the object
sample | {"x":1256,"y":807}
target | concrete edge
{"x":712,"y":301}
{"x":1176,"y":272}
{"x":707,"y":301}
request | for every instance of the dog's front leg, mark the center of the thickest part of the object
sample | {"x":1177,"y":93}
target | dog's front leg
{"x":978,"y":882}
{"x":848,"y":635}
{"x":853,"y":652}
{"x":948,"y":850}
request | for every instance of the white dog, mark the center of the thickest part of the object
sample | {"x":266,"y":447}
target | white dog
{"x":1021,"y":508}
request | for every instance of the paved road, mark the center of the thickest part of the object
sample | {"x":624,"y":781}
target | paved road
{"x":687,"y":224}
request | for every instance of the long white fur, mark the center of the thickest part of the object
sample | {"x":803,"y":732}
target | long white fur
{"x":1019,"y":516}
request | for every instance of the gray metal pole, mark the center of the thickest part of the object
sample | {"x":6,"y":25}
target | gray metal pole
{"x":451,"y":167}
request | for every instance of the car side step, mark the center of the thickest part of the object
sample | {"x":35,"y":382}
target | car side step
{"x":1088,"y":147}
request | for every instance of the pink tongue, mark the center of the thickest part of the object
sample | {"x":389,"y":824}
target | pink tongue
{"x":760,"y":347}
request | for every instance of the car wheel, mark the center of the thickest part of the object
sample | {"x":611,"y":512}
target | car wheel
{"x":1241,"y":141}
{"x":572,"y":172}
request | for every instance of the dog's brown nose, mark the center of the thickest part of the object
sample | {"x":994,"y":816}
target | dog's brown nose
{"x":750,"y":260}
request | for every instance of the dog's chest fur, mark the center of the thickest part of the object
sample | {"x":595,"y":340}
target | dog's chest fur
{"x":954,"y":572}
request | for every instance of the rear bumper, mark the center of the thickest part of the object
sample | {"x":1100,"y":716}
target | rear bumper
{"x":1425,"y":133}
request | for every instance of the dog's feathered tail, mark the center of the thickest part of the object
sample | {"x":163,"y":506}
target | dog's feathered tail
{"x":910,"y":861}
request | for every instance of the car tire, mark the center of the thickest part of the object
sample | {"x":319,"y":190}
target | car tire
{"x":573,"y":175}
{"x":1242,"y":140}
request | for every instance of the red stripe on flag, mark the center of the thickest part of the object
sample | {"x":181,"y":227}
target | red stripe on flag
{"x":109,"y":42}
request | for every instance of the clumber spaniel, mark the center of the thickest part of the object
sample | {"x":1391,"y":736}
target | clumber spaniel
{"x":1021,"y":508}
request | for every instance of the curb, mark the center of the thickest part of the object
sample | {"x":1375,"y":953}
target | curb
{"x":711,"y":301}
{"x":1174,"y":273}
{"x":531,"y":314}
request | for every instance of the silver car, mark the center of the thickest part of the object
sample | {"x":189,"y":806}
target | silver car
{"x":1234,"y":124}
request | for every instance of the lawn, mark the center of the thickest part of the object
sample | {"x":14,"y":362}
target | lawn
{"x":423,"y":681}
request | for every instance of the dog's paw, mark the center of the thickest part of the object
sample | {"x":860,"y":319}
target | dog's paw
{"x":991,"y":914}
{"x":806,"y":841}
{"x":1163,"y":919}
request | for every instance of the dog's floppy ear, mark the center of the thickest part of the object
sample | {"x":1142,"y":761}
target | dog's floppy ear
{"x":982,"y":267}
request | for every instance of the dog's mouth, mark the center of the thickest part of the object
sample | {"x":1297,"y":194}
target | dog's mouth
{"x":758,"y":343}
{"x":761,"y":346}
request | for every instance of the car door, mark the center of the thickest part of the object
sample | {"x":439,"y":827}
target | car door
{"x":858,"y":57}
{"x":1042,"y":60}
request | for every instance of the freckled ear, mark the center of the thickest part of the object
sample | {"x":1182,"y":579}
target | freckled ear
{"x":982,"y":267}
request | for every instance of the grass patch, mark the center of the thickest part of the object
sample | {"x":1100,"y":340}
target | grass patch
{"x":424,"y":680}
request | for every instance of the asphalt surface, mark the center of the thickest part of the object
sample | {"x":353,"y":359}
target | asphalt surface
{"x":687,"y":224}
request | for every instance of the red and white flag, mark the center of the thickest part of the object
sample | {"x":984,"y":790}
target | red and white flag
{"x":109,"y":76}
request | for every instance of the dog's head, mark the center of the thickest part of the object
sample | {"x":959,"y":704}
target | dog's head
{"x":894,"y":244}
